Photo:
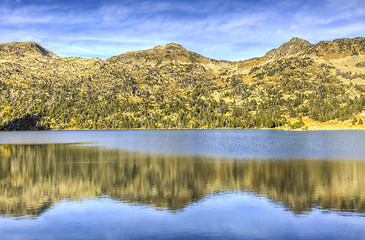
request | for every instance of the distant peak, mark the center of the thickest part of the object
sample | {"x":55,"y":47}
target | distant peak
{"x":173,"y":46}
{"x":19,"y":48}
{"x":294,"y":46}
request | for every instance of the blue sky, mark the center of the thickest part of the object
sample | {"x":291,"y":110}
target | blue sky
{"x":232,"y":30}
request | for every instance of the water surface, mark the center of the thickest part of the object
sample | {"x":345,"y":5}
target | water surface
{"x":182,"y":184}
{"x":264,"y":144}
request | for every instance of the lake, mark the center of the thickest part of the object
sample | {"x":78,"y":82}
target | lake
{"x":182,"y":184}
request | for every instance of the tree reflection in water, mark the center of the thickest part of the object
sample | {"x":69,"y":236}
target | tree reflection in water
{"x":33,"y":177}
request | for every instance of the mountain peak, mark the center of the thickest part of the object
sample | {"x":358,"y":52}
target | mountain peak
{"x":170,"y":53}
{"x":24,"y":48}
{"x":294,"y":46}
{"x":173,"y":46}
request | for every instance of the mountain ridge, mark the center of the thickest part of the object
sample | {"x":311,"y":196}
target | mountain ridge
{"x":295,"y":46}
{"x":297,"y":85}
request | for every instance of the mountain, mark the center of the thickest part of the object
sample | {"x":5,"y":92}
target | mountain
{"x":172,"y":52}
{"x":298,"y":85}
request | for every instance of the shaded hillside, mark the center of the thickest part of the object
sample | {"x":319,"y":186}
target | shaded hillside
{"x":171,"y":87}
{"x":25,"y":123}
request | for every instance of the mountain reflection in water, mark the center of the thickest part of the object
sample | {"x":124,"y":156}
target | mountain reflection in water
{"x":34,"y":177}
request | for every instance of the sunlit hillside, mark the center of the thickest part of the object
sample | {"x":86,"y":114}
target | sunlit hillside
{"x":296,"y":86}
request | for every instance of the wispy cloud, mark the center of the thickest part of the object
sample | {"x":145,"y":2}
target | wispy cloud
{"x":219,"y":29}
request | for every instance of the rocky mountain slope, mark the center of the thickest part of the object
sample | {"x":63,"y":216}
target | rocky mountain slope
{"x":296,"y":85}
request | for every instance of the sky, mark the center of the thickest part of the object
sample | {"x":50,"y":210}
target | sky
{"x":230,"y":30}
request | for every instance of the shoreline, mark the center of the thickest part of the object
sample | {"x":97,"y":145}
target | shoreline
{"x":304,"y":129}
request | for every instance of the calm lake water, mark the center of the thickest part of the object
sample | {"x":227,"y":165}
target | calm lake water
{"x":182,"y":184}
